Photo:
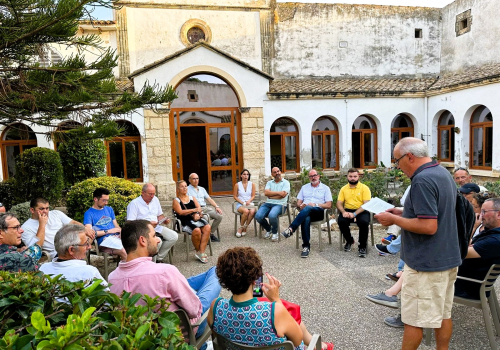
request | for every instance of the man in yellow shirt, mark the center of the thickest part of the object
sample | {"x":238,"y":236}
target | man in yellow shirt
{"x":349,"y":202}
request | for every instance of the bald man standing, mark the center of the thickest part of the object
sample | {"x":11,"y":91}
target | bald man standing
{"x":147,"y":207}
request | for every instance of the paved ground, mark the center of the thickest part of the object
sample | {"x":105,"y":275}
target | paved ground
{"x":331,"y":286}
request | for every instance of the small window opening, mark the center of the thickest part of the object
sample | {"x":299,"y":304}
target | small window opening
{"x":192,"y":96}
{"x":463,"y":24}
{"x":418,"y":33}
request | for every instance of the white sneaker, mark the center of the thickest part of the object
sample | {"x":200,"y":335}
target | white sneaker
{"x":267,"y":235}
{"x":275,"y":237}
{"x":238,"y":234}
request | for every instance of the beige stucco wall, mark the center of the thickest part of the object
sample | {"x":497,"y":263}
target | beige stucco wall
{"x":252,"y":125}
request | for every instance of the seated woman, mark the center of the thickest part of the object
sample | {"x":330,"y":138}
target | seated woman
{"x":244,"y":194}
{"x":237,"y":270}
{"x":188,"y":210}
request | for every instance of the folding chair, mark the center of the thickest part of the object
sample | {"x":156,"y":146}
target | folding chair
{"x":222,"y":343}
{"x":107,"y":258}
{"x":317,"y":224}
{"x":187,"y":327}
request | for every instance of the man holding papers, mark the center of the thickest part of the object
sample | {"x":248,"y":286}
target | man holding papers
{"x":351,"y":197}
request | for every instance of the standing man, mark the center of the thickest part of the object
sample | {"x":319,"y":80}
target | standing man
{"x":462,"y":177}
{"x":202,"y":197}
{"x":312,"y":199}
{"x":147,"y":207}
{"x":430,"y":246}
{"x":276,"y":191}
{"x":102,"y":219}
{"x":351,"y":197}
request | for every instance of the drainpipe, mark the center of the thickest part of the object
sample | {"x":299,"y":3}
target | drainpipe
{"x":426,"y":123}
{"x":347,"y":129}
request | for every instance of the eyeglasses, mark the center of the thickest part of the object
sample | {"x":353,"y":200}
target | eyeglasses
{"x":83,"y":245}
{"x":485,"y":211}
{"x":17,"y":228}
{"x":396,"y":162}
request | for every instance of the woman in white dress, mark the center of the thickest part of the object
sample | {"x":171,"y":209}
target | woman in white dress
{"x":244,"y":194}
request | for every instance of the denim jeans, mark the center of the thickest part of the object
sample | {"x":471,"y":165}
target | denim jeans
{"x":303,"y":219}
{"x":272,"y":211}
{"x":207,"y":288}
{"x":395,"y":245}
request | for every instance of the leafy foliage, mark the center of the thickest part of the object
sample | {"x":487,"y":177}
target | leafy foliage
{"x":82,"y":159}
{"x":8,"y":193}
{"x":91,"y":317}
{"x":21,"y":211}
{"x":493,"y":187}
{"x":80,"y":199}
{"x":39,"y":174}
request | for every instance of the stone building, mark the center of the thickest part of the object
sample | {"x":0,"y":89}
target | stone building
{"x":294,"y":85}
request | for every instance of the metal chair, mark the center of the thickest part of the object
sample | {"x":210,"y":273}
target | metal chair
{"x":326,"y":219}
{"x":236,"y":213}
{"x":177,"y":226}
{"x":353,"y":224}
{"x":187,"y":328}
{"x":222,"y":343}
{"x":107,"y":257}
{"x":286,"y":209}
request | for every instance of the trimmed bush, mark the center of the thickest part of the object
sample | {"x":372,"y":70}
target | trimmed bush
{"x":82,"y":159}
{"x":22,"y":211}
{"x":8,"y":193}
{"x":80,"y":198}
{"x":39,"y":174}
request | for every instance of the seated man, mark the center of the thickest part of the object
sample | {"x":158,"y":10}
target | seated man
{"x":276,"y":191}
{"x":72,"y":245}
{"x":101,"y":219}
{"x":349,"y":202}
{"x":44,"y":224}
{"x":140,"y":275}
{"x":468,"y":190}
{"x":147,"y":207}
{"x":312,"y":199}
{"x":11,"y":258}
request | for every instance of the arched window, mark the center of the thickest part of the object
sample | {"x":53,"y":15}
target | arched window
{"x":124,"y":153}
{"x":364,"y":143}
{"x":325,"y":144}
{"x":446,"y":137}
{"x":481,"y":130}
{"x":285,"y":145}
{"x":401,"y":127}
{"x":16,"y":138}
{"x":67,"y":125}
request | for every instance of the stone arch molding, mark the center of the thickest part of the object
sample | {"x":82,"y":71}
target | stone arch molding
{"x":195,"y":23}
{"x":176,"y":80}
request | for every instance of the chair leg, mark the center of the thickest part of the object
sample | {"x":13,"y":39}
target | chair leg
{"x":487,"y":323}
{"x":494,"y":311}
{"x":427,"y":336}
{"x":170,"y":256}
{"x":318,"y":227}
{"x":329,"y":232}
{"x":218,"y":234}
{"x":188,"y":243}
{"x":255,"y":226}
{"x":235,"y":224}
{"x":340,"y":240}
{"x":106,"y":265}
{"x":297,"y":233}
{"x":210,"y":246}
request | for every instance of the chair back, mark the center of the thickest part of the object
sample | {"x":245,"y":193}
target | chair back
{"x":490,"y":279}
{"x":185,"y":326}
{"x":224,"y":343}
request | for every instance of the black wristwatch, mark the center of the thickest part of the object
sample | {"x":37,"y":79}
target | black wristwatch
{"x":105,"y":232}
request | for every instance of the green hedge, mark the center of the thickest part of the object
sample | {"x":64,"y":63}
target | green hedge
{"x":80,"y":198}
{"x":8,"y":191}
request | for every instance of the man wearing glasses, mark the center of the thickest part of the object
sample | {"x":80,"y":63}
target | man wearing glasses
{"x":11,"y":258}
{"x":72,"y":244}
{"x":312,"y":199}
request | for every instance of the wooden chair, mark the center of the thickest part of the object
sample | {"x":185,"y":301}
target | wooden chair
{"x":177,"y":226}
{"x":222,"y":343}
{"x":187,"y":328}
{"x":285,"y":210}
{"x":236,"y":213}
{"x":317,"y":224}
{"x":353,"y":224}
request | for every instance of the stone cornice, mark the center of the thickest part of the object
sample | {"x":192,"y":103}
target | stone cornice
{"x":192,"y":7}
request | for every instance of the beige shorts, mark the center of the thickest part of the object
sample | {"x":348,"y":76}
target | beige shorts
{"x":427,"y":297}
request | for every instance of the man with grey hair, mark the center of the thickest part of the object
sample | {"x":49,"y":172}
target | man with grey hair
{"x":11,"y":258}
{"x":71,"y":245}
{"x":147,"y":207}
{"x":430,"y":244}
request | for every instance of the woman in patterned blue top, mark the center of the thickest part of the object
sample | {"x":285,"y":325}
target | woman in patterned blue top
{"x":244,"y":319}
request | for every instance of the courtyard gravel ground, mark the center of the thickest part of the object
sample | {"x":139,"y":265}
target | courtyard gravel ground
{"x":330,"y":286}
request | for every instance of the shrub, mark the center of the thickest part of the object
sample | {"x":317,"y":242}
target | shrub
{"x":493,"y":187}
{"x":80,"y":198}
{"x":82,"y":159}
{"x":21,"y":211}
{"x":39,"y":174}
{"x":8,"y":193}
{"x":91,"y":319}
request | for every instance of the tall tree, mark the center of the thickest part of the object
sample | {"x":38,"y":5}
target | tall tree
{"x":37,"y":91}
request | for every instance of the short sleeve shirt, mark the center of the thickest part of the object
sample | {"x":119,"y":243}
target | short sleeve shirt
{"x":13,"y":261}
{"x":432,"y":196}
{"x":319,"y":194}
{"x":354,"y":198}
{"x":138,"y":209}
{"x":200,"y":194}
{"x":274,"y":186}
{"x":100,"y":219}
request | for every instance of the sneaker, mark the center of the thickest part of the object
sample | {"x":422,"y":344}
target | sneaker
{"x":392,"y":276}
{"x":348,"y":247}
{"x":305,"y":252}
{"x":238,"y":234}
{"x":214,"y":238}
{"x":382,"y":250}
{"x":267,"y":235}
{"x":388,"y":239}
{"x":287,"y":233}
{"x":274,"y":238}
{"x":394,"y":321}
{"x":383,"y":299}
{"x":362,"y":252}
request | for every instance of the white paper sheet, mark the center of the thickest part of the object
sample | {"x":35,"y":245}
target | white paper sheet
{"x":113,"y":242}
{"x":377,"y":205}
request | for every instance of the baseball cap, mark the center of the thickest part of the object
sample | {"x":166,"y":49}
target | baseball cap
{"x":468,"y":188}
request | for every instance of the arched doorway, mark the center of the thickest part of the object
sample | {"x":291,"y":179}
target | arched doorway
{"x":284,"y":138}
{"x":481,"y":131}
{"x":325,"y":144}
{"x":16,"y":139}
{"x":401,"y":127}
{"x":446,"y":137}
{"x":205,"y":127}
{"x":364,"y":143}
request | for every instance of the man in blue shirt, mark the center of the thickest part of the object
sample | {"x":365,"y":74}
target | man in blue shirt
{"x":102,"y":219}
{"x":312,"y":199}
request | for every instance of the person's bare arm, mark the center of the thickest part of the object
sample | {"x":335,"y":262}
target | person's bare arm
{"x":252,"y":197}
{"x":212,"y":202}
{"x":235,"y":194}
{"x":360,"y":209}
{"x":472,"y":254}
{"x":415,"y":225}
{"x":89,"y":231}
{"x":176,"y":206}
{"x":345,"y":214}
{"x":42,"y":222}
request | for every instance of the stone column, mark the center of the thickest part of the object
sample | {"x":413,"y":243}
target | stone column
{"x":252,"y":127}
{"x":159,"y":169}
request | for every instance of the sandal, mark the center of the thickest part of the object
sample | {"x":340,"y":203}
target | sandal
{"x":244,"y":230}
{"x":329,"y":346}
{"x":238,"y":233}
{"x":201,"y":256}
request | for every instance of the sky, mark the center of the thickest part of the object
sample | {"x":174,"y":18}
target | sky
{"x":104,"y":13}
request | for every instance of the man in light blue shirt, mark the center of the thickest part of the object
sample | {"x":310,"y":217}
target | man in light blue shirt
{"x":276,"y":191}
{"x":312,"y":199}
